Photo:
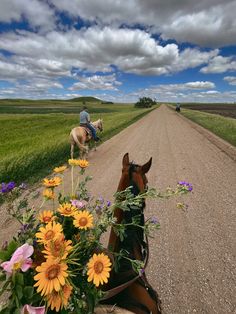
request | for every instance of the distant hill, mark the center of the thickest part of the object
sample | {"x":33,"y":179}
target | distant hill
{"x":86,"y":99}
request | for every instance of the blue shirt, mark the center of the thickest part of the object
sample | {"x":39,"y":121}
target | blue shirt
{"x":84,"y":117}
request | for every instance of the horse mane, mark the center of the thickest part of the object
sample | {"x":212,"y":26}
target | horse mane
{"x":128,"y":289}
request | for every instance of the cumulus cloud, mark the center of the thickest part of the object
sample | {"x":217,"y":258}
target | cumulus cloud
{"x":36,"y":13}
{"x":185,"y":92}
{"x":199,"y":85}
{"x":96,"y":49}
{"x":209,"y":23}
{"x":96,"y":82}
{"x":220,"y":64}
{"x":230,"y":79}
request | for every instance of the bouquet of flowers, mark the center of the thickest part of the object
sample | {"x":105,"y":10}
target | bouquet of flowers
{"x":56,"y":262}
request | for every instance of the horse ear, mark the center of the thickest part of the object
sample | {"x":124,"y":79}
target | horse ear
{"x":147,"y":166}
{"x":125,"y":161}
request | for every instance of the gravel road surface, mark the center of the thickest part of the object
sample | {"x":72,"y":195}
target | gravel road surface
{"x":193,"y":256}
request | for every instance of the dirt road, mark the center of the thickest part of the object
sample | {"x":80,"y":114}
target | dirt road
{"x":192,"y":263}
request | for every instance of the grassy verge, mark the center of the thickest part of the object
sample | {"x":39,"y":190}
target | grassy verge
{"x":221,"y":126}
{"x":31,"y":144}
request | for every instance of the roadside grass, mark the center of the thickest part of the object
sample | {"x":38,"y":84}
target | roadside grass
{"x":32,"y":144}
{"x":223,"y":127}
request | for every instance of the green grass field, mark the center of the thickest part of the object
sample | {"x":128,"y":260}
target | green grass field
{"x":224,"y":127}
{"x":32,"y":144}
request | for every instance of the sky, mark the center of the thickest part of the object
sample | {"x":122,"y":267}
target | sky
{"x":118,"y":50}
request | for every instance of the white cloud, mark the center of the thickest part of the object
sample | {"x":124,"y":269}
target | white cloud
{"x":209,"y":27}
{"x":230,"y":79}
{"x":186,"y":92}
{"x":37,"y":13}
{"x":199,"y":85}
{"x":220,"y":64}
{"x":96,"y":49}
{"x":96,"y":82}
{"x":209,"y":23}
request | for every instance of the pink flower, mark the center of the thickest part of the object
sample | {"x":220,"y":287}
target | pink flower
{"x":78,"y":204}
{"x":20,"y":259}
{"x":28,"y":309}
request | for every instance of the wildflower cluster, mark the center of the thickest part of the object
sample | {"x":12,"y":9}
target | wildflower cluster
{"x":57,"y":262}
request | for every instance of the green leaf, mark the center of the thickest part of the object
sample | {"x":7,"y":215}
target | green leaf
{"x":28,"y":292}
{"x":5,"y":255}
{"x":19,"y":292}
{"x":19,"y":279}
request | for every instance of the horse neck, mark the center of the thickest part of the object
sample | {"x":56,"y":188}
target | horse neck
{"x":120,"y":215}
{"x":96,"y":123}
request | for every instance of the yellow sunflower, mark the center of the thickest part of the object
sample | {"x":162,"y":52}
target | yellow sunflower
{"x":83,"y":220}
{"x":73,"y":162}
{"x":58,"y":248}
{"x":51,"y":276}
{"x":49,"y":232}
{"x":67,"y":209}
{"x":46,"y":216}
{"x":99,"y":267}
{"x":49,"y":194}
{"x":83,"y":163}
{"x":58,"y":300}
{"x":52,"y":183}
{"x":59,"y":169}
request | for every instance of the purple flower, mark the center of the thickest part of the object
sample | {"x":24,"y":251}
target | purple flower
{"x":155,"y":221}
{"x":78,"y":204}
{"x":108,"y":203}
{"x":187,"y":185}
{"x":7,"y":187}
{"x":101,"y":199}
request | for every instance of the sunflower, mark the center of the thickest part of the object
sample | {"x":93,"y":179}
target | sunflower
{"x":83,"y":220}
{"x":73,"y":162}
{"x":67,"y":209}
{"x":83,"y":163}
{"x":49,"y":232}
{"x":58,"y":300}
{"x":58,"y":248}
{"x":52,"y":183}
{"x":46,"y":216}
{"x":99,"y":269}
{"x":59,"y":169}
{"x":51,"y":276}
{"x":49,"y":194}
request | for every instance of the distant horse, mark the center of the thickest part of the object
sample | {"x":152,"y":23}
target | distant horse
{"x":126,"y":288}
{"x":80,"y":136}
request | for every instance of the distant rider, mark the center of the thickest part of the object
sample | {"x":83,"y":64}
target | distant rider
{"x":177,"y":108}
{"x":85,"y":121}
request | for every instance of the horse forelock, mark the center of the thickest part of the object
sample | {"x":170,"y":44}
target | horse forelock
{"x":137,"y":178}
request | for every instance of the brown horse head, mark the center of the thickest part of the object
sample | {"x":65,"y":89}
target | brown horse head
{"x":129,"y":290}
{"x":132,"y":173}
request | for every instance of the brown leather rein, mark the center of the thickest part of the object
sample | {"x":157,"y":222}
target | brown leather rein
{"x":114,"y":291}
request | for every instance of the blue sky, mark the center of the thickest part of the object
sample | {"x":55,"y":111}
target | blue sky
{"x":176,"y":51}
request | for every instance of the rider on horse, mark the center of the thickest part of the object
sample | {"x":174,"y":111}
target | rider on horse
{"x":85,"y":122}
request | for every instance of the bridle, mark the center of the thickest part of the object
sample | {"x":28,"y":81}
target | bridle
{"x":114,"y":291}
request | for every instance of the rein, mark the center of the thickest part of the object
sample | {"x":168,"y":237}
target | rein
{"x":114,"y":291}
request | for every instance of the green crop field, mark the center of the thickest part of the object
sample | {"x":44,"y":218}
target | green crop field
{"x":217,"y":118}
{"x":32,"y":143}
{"x":224,"y":127}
